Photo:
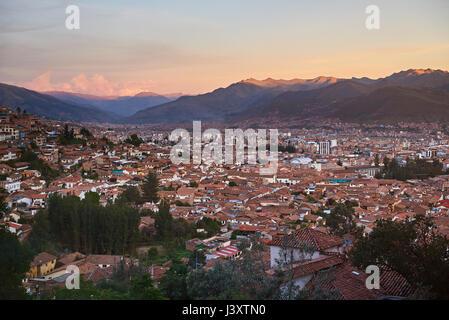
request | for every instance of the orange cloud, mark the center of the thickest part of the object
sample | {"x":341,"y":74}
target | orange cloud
{"x":96,"y":84}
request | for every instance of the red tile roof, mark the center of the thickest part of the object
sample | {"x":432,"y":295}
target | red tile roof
{"x":245,"y":227}
{"x":319,"y":239}
{"x":348,"y":282}
{"x":394,"y":283}
{"x":42,"y":258}
{"x":14,"y":225}
{"x":316,"y":265}
{"x":226,"y":252}
{"x":99,"y":274}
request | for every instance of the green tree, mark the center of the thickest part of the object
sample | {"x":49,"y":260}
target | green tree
{"x":413,"y":248}
{"x":85,"y":132}
{"x":197,"y":259}
{"x":87,"y":291}
{"x":193,"y":184}
{"x":92,"y":197}
{"x":235,"y":233}
{"x":108,"y":143}
{"x":41,"y":238}
{"x":150,"y":188}
{"x":130,"y":195}
{"x":134,"y":140}
{"x":341,"y":220}
{"x":68,"y":137}
{"x":15,"y":261}
{"x":288,"y":148}
{"x":210,"y":225}
{"x":3,"y":206}
{"x":142,"y":289}
{"x":179,"y":203}
{"x":153,"y":253}
{"x":174,"y":283}
{"x":89,"y":227}
{"x":164,"y":221}
{"x":244,"y":278}
{"x":376,"y":160}
{"x":413,"y":169}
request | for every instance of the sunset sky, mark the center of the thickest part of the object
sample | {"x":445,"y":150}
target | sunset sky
{"x":125,"y":47}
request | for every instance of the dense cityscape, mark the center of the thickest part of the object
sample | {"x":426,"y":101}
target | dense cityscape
{"x":110,"y":201}
{"x":224,"y":159}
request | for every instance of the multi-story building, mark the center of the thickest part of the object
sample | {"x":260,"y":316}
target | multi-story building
{"x":324,"y":147}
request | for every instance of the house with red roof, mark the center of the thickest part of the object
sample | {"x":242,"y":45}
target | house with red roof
{"x":443,"y":203}
{"x":305,"y":244}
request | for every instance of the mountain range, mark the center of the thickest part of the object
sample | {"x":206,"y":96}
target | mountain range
{"x":121,"y":106}
{"x":413,"y":95}
{"x":50,"y":107}
{"x":358,"y":99}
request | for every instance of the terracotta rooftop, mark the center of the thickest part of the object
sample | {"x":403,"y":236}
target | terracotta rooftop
{"x":348,"y":282}
{"x":320,"y":240}
{"x":41,"y":258}
{"x":316,"y":265}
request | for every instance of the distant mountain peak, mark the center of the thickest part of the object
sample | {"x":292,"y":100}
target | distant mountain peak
{"x":77,"y":94}
{"x":324,"y":78}
{"x":146,"y":94}
{"x":418,"y":72}
{"x":422,"y":71}
{"x":421,"y":78}
{"x":270,"y":82}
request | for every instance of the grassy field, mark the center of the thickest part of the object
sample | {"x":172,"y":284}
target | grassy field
{"x":164,"y":254}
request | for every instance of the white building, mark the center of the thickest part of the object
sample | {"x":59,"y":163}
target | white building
{"x":324,"y":147}
{"x":309,"y":251}
{"x":321,"y":242}
{"x":12,"y":186}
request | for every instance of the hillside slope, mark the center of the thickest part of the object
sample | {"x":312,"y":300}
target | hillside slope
{"x":48,"y":106}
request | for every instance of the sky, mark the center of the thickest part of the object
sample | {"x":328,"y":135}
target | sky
{"x":127,"y":46}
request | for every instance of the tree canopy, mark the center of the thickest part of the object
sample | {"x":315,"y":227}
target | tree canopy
{"x":68,"y":137}
{"x":150,"y":188}
{"x":412,"y":248}
{"x":15,"y":261}
{"x":134,"y":140}
{"x":341,"y":220}
{"x":174,"y":283}
{"x":413,"y":169}
{"x":84,"y":225}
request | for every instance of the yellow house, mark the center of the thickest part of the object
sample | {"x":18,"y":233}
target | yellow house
{"x":42,"y":264}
